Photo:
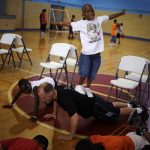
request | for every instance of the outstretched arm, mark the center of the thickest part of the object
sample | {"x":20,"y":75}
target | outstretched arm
{"x":16,"y":97}
{"x":61,"y":23}
{"x":73,"y":123}
{"x":117,"y":14}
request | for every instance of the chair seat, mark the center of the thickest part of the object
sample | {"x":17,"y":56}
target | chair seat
{"x":136,"y":77}
{"x":20,"y":49}
{"x":3,"y":51}
{"x":52,"y":65}
{"x":71,"y":61}
{"x":124,"y":83}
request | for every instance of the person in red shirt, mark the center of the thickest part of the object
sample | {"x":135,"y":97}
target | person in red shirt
{"x":39,"y":142}
{"x":43,"y":22}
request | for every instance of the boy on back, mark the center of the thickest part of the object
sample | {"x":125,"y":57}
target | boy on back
{"x":91,"y":36}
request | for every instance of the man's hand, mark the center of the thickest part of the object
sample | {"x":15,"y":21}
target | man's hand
{"x":65,"y":138}
{"x":47,"y":116}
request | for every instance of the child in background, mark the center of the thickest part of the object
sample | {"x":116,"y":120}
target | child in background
{"x":70,"y":28}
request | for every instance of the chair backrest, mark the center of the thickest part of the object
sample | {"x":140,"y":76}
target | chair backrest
{"x":132,"y":64}
{"x":60,"y":49}
{"x":18,"y":40}
{"x":8,"y":38}
{"x":73,"y":52}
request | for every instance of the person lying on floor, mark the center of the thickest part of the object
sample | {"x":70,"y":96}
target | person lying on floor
{"x":130,"y":141}
{"x":37,"y":88}
{"x":39,"y":142}
{"x":76,"y":104}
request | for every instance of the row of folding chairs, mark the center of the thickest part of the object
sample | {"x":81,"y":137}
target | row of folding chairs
{"x":11,"y":43}
{"x":60,"y":57}
{"x":132,"y":74}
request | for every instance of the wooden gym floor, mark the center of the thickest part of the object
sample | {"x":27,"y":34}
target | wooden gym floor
{"x":14,"y":124}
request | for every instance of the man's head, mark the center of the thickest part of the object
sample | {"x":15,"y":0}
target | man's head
{"x":88,"y":145}
{"x":88,"y":12}
{"x":46,"y":92}
{"x":42,"y":140}
{"x":24,"y":86}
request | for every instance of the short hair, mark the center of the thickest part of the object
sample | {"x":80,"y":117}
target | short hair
{"x":42,"y":140}
{"x":88,"y":145}
{"x":44,"y":10}
{"x":87,"y":5}
{"x":47,"y":87}
{"x":115,"y":21}
{"x":24,"y":85}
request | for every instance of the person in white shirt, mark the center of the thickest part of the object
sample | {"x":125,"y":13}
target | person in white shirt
{"x":91,"y":36}
{"x":37,"y":88}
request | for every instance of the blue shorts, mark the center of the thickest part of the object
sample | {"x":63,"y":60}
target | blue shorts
{"x":89,"y":65}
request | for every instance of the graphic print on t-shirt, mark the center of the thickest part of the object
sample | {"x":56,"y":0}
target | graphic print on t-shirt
{"x":93,"y":31}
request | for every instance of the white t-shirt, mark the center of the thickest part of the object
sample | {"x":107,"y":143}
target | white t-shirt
{"x":139,"y":141}
{"x":39,"y":82}
{"x":91,"y":34}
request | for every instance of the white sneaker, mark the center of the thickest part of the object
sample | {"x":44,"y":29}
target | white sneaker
{"x":80,"y":89}
{"x":88,"y":92}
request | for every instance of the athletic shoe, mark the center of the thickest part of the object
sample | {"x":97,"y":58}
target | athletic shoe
{"x":134,"y":104}
{"x":88,"y":92}
{"x":80,"y":89}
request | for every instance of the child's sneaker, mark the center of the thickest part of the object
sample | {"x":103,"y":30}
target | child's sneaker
{"x":88,"y":92}
{"x":80,"y":89}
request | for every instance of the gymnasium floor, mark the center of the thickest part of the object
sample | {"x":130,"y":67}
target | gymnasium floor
{"x":14,"y":124}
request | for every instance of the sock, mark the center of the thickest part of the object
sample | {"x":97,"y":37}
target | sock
{"x":129,"y":105}
{"x":139,"y":110}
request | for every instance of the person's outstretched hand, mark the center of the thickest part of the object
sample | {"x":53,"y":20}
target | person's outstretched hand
{"x":64,"y":138}
{"x":8,"y":106}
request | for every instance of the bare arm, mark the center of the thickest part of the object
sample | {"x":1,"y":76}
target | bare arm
{"x":61,"y":23}
{"x":19,"y":93}
{"x":52,"y":115}
{"x":117,"y":14}
{"x":73,"y":128}
{"x":147,"y":135}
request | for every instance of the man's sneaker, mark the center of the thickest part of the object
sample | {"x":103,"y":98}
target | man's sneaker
{"x":80,"y":89}
{"x":134,"y":104}
{"x":88,"y":92}
{"x":144,"y":113}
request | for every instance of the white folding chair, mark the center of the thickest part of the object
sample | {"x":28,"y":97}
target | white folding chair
{"x":21,"y":49}
{"x":145,"y":78}
{"x":53,"y":60}
{"x":128,"y":64}
{"x":72,"y":60}
{"x":7,"y":39}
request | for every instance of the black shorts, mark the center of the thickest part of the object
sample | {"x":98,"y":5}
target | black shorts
{"x":105,"y":110}
{"x":118,"y":35}
{"x":43,"y":27}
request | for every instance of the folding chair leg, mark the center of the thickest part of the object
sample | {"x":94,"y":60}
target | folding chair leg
{"x":120,"y":92}
{"x":73,"y":75}
{"x":29,"y":58}
{"x":109,"y":92}
{"x":20,"y":60}
{"x":50,"y":71}
{"x":66,"y":72}
{"x":41,"y":73}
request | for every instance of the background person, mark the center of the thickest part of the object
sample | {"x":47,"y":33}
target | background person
{"x":39,"y":142}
